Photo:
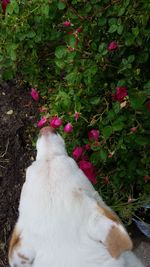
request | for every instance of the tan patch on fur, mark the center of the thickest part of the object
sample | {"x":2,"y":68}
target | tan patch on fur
{"x":108,"y":213}
{"x":117,"y":242}
{"x":14,"y":242}
{"x":46,"y":130}
{"x":23,"y":257}
{"x":77,"y":193}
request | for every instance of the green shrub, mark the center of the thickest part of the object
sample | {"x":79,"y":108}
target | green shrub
{"x":90,"y":57}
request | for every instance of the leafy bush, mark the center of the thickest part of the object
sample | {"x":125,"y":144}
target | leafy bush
{"x":89,"y":60}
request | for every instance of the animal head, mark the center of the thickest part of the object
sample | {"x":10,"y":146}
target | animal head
{"x":49,"y":144}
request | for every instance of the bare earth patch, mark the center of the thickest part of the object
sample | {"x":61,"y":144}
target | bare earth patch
{"x":17,"y":116}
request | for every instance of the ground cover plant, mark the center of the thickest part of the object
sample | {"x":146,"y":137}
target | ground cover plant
{"x":87,"y":64}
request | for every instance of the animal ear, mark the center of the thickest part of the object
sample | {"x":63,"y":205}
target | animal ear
{"x":117,"y":239}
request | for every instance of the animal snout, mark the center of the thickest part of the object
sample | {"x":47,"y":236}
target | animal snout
{"x":47,"y":130}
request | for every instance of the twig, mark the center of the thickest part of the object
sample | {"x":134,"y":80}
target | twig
{"x":74,"y":10}
{"x":3,"y":154}
{"x":2,"y":167}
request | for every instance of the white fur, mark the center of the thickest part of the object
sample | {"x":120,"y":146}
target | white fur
{"x":59,"y":223}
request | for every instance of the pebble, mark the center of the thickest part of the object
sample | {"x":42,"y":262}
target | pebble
{"x":10,"y":112}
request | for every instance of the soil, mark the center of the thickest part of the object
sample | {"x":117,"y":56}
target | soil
{"x":18,"y":114}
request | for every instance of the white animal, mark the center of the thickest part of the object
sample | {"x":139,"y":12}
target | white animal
{"x":63,"y":222}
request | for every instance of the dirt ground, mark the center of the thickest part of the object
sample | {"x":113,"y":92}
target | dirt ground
{"x":18,"y":114}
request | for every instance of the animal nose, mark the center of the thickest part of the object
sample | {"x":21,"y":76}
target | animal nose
{"x":46,"y":130}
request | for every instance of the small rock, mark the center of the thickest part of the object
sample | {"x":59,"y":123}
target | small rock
{"x":10,"y":112}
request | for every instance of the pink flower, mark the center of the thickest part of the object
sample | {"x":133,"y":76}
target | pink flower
{"x":146,"y":178}
{"x":68,"y":128}
{"x":112,"y":46}
{"x":106,"y":180}
{"x":77,"y":152}
{"x":87,"y":147}
{"x":34,"y":94}
{"x":89,"y":170}
{"x":133,"y":129}
{"x":93,"y":135}
{"x":79,"y":29}
{"x":70,"y":49}
{"x":76,"y":115}
{"x":121,"y":93}
{"x":56,"y":122}
{"x":41,"y":122}
{"x":85,"y":157}
{"x":148,"y":105}
{"x":70,"y":32}
{"x":4,"y":5}
{"x":113,"y":96}
{"x":67,"y":23}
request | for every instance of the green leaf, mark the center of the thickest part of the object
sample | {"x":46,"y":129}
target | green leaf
{"x":95,"y":101}
{"x":1,"y":58}
{"x":72,"y":41}
{"x":131,"y":58}
{"x":135,"y":31}
{"x":60,"y":63}
{"x":21,"y":36}
{"x":94,"y":158}
{"x":111,"y":115}
{"x":137,"y":100}
{"x":45,"y":10}
{"x":129,"y":40}
{"x":60,"y":52}
{"x":87,"y":8}
{"x":124,"y":61}
{"x":120,"y":29}
{"x":102,"y":21}
{"x":116,"y":107}
{"x":71,"y":77}
{"x":143,"y":57}
{"x":112,"y":21}
{"x":11,"y":49}
{"x":103,"y":49}
{"x":13,"y":55}
{"x":12,"y":7}
{"x":141,"y":140}
{"x":121,"y":11}
{"x":107,"y":131}
{"x":147,"y":88}
{"x":103,"y":154}
{"x":94,"y":46}
{"x":31,"y":34}
{"x":113,"y":28}
{"x":117,"y":126}
{"x":8,"y":75}
{"x":63,"y":99}
{"x":61,"y":5}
